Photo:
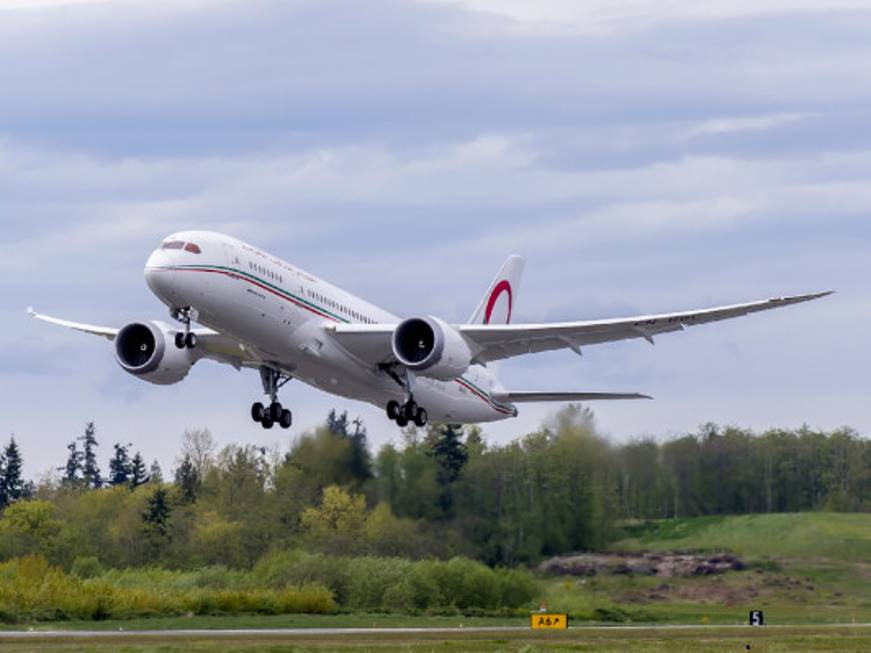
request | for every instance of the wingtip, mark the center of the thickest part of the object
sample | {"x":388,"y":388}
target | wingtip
{"x":31,"y":312}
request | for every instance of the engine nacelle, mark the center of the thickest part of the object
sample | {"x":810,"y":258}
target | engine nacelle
{"x":430,"y":347}
{"x":147,"y":350}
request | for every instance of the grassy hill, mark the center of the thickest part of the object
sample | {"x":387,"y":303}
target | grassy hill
{"x":798,"y":536}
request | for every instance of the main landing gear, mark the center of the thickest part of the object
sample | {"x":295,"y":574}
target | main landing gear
{"x":184,"y":339}
{"x":275,"y":413}
{"x":402,"y":414}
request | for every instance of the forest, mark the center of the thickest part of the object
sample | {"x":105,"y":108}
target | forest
{"x":442,"y":504}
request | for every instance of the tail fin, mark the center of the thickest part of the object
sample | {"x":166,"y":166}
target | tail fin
{"x":501,"y":296}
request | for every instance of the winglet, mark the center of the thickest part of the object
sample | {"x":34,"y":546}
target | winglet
{"x":31,"y":312}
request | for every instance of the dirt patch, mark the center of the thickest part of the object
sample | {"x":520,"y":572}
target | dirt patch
{"x":664,"y":564}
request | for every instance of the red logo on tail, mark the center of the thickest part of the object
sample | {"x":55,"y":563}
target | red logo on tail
{"x":498,"y":289}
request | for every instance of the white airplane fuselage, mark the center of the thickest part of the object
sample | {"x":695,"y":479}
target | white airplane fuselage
{"x":278,"y":312}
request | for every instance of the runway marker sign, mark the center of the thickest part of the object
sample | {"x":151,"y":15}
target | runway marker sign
{"x":542,"y":621}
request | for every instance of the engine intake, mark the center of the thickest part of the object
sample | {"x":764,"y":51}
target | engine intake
{"x":144,"y":349}
{"x":431,"y":347}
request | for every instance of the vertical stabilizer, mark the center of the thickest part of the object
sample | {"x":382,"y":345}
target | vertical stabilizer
{"x":500,"y":299}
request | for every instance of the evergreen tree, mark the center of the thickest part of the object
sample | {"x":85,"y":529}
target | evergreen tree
{"x":338,"y":424}
{"x":4,"y":500}
{"x":119,"y":466}
{"x":451,"y":456}
{"x":72,"y":471}
{"x":155,"y":474}
{"x":187,"y":479}
{"x":157,"y":512}
{"x":90,"y":469}
{"x":361,"y":461}
{"x":12,"y":485}
{"x":138,"y":475}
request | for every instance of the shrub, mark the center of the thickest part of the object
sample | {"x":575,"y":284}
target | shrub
{"x":87,"y":567}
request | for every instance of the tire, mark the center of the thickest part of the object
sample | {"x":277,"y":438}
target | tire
{"x":190,"y":340}
{"x":267,"y":423}
{"x":420,"y":418}
{"x":392,"y":409}
{"x":275,"y":410}
{"x":286,"y":419}
{"x":401,"y":422}
{"x":179,"y":340}
{"x":258,"y":412}
{"x":409,"y":411}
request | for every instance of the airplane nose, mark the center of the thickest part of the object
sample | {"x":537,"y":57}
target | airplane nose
{"x":159,"y":275}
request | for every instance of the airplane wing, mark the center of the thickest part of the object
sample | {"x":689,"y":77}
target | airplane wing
{"x":107,"y":332}
{"x":499,"y":341}
{"x":518,"y":397}
{"x":371,"y":343}
{"x":211,"y":344}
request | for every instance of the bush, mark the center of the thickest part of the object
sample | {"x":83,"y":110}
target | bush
{"x":87,"y":567}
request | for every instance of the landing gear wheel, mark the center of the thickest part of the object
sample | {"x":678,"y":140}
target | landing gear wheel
{"x":401,"y":422}
{"x":286,"y":419}
{"x":267,"y":423}
{"x":179,"y":340}
{"x":275,"y":411}
{"x":409,"y":411}
{"x":258,"y":412}
{"x":190,"y":340}
{"x":420,"y":418}
{"x":393,"y":409}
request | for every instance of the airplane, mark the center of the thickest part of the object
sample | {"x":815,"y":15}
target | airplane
{"x":258,"y":311}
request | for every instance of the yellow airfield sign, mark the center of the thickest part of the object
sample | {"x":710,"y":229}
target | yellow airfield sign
{"x":544,"y":621}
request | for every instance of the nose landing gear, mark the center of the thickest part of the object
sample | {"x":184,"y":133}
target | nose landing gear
{"x":184,"y":339}
{"x":275,"y":413}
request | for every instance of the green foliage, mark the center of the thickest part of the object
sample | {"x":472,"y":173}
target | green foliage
{"x":87,"y":567}
{"x":32,"y":589}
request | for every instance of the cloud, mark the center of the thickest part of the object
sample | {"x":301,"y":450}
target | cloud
{"x":644,"y":157}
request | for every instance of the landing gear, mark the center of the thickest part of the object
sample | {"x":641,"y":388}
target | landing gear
{"x":402,"y":414}
{"x":184,"y":339}
{"x":407,"y":412}
{"x":275,"y":413}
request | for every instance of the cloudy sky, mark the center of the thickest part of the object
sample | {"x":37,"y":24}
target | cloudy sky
{"x":643,"y":156}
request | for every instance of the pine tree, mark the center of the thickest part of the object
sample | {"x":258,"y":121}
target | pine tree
{"x":4,"y":499}
{"x":90,"y":469}
{"x":155,"y":474}
{"x":138,"y":475}
{"x":187,"y":479}
{"x":73,"y":469}
{"x":12,"y":485}
{"x":338,"y":424}
{"x":119,"y":466}
{"x":451,"y":456}
{"x":361,"y":461}
{"x":157,"y":512}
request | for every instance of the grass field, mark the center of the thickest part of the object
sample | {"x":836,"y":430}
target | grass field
{"x":600,"y":640}
{"x":806,"y":571}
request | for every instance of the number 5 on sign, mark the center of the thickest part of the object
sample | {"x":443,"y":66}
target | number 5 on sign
{"x":548,"y":621}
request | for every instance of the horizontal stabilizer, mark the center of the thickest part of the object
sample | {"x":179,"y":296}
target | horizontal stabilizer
{"x":521,"y":397}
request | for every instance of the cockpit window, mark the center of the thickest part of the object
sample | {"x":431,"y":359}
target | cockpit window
{"x":172,"y":244}
{"x":193,"y":248}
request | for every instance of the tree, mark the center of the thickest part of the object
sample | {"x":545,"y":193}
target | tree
{"x":200,"y":447}
{"x":155,"y":474}
{"x":72,"y":471}
{"x":119,"y":466}
{"x":338,"y":424}
{"x":337,"y":524}
{"x":12,"y":485}
{"x":451,"y":456}
{"x":90,"y":469}
{"x":157,"y":512}
{"x":187,"y":479}
{"x":138,"y":475}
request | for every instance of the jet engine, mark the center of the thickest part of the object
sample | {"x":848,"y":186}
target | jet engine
{"x":147,"y":350}
{"x":430,"y":347}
